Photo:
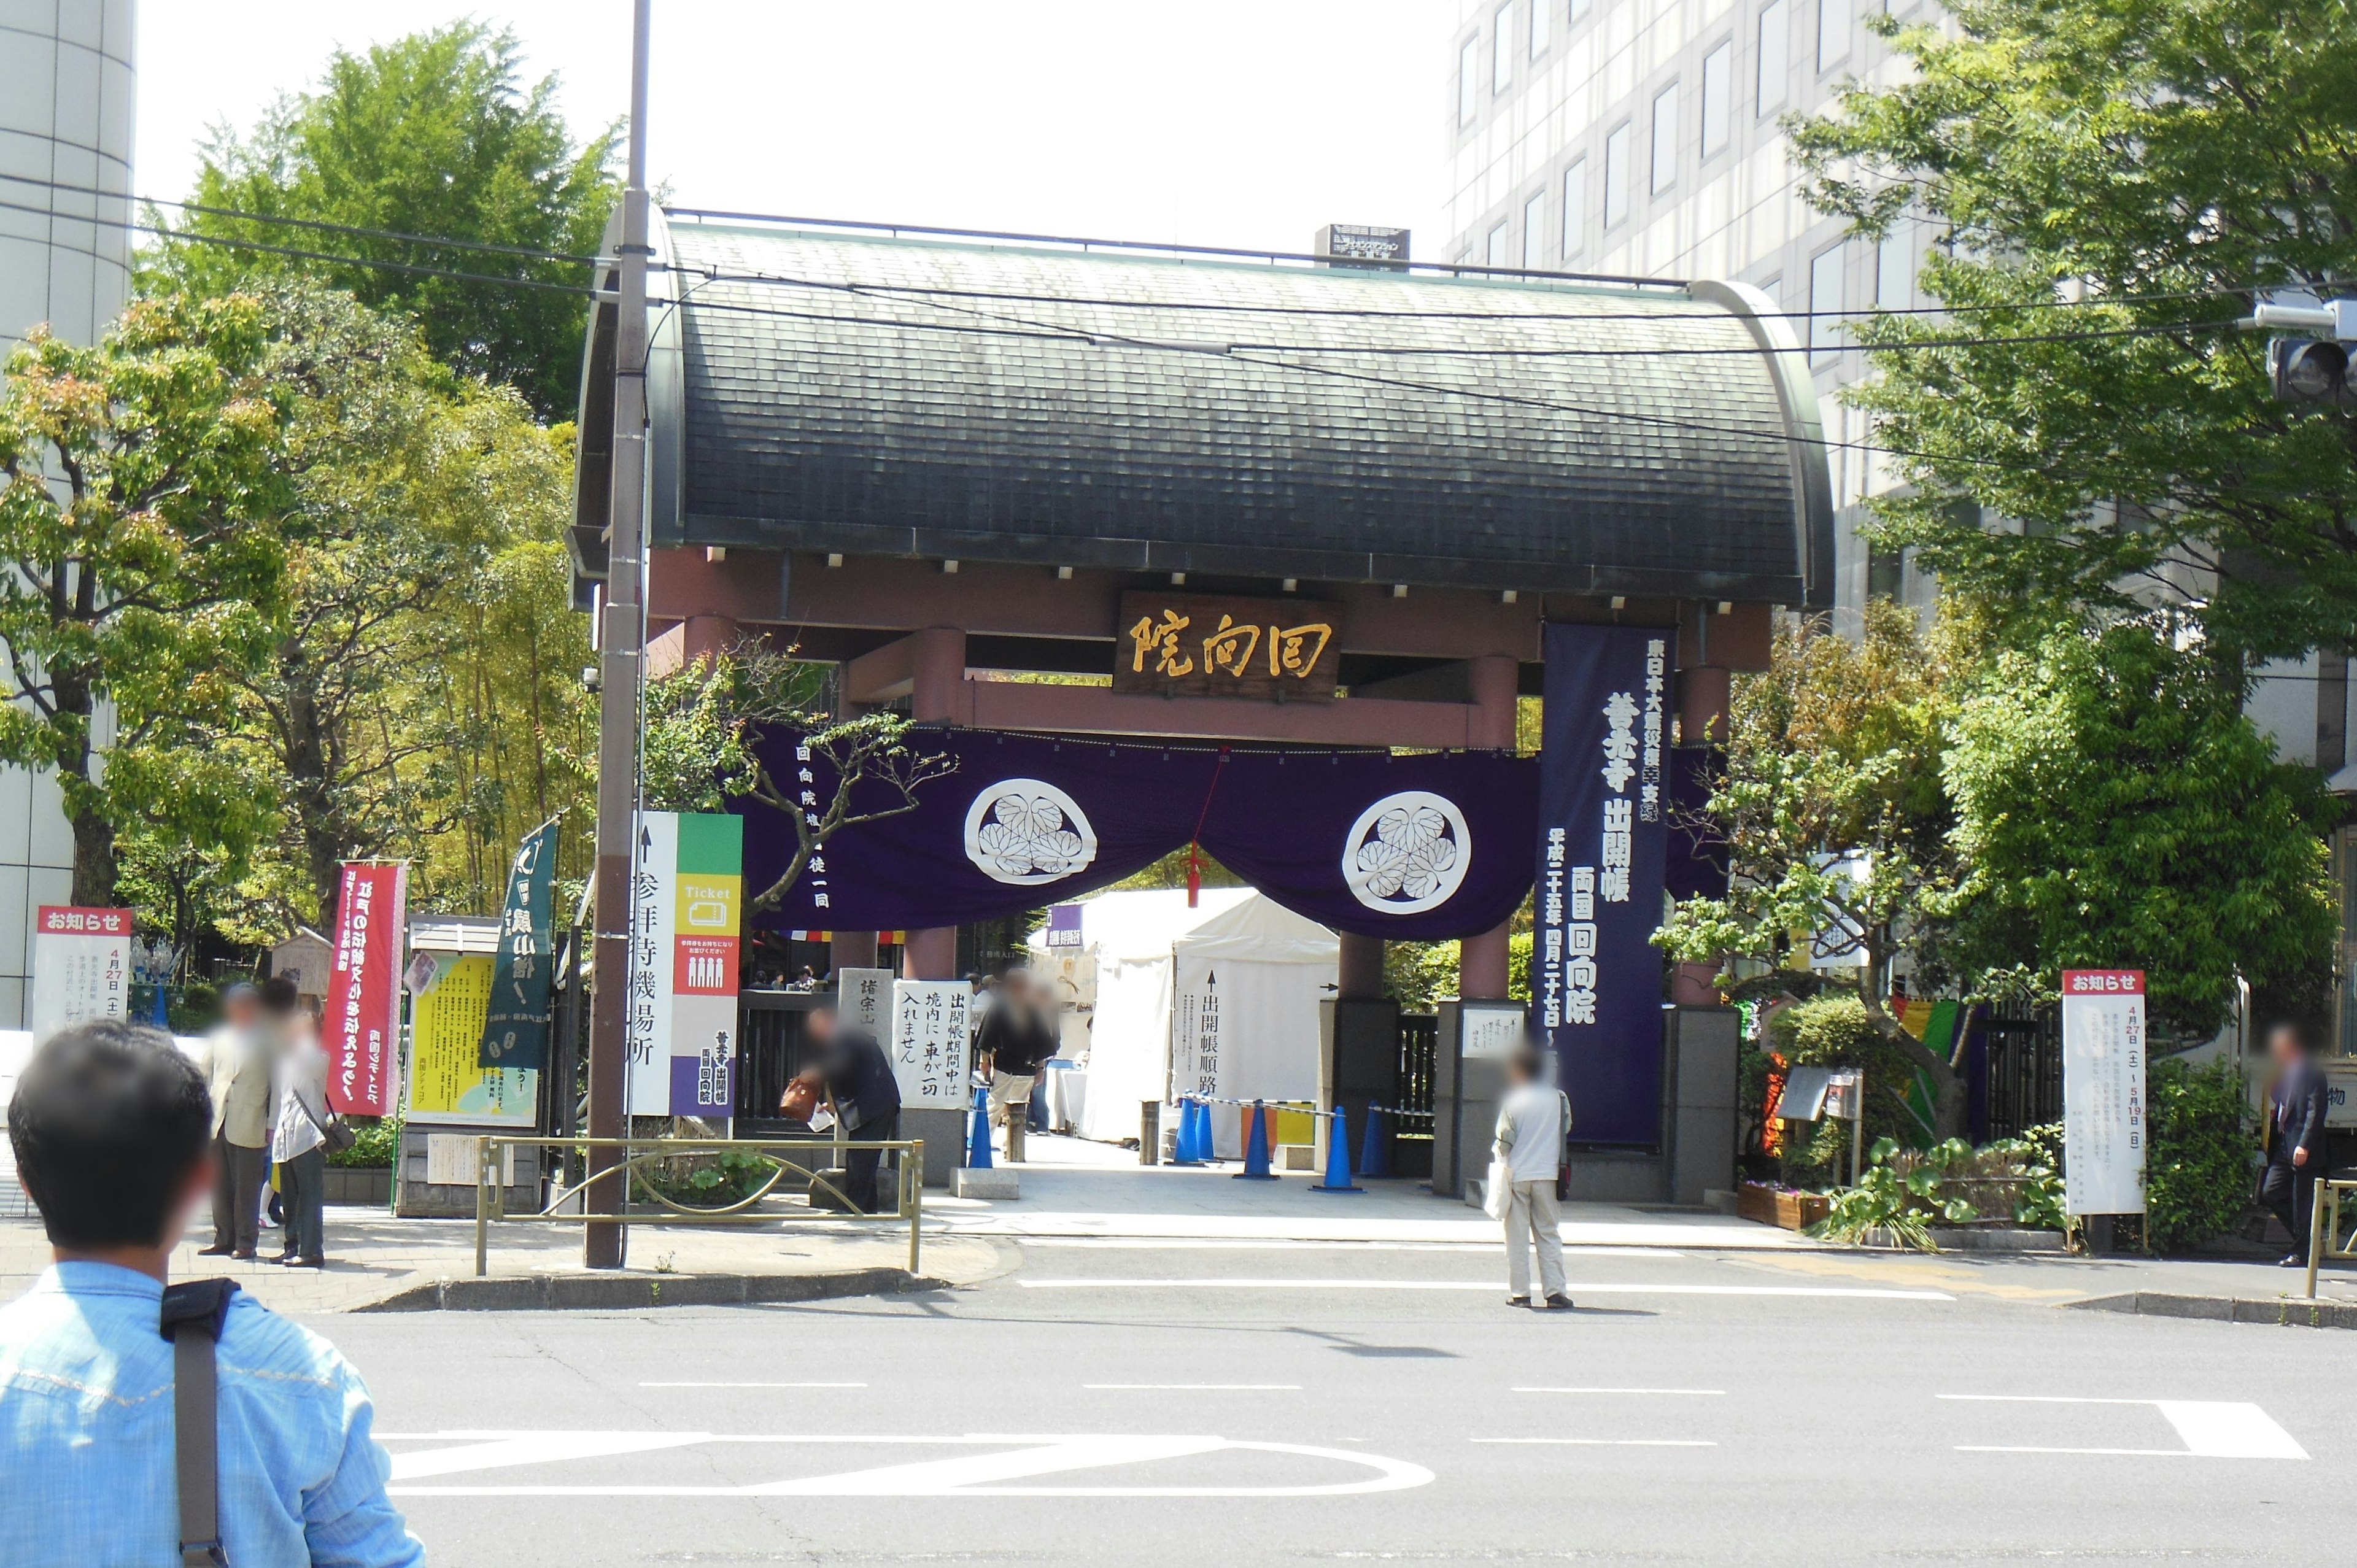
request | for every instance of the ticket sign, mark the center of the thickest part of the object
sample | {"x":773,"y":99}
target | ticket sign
{"x":2103,"y":1126}
{"x":931,"y":1021}
{"x":687,"y":901}
{"x":81,"y":967}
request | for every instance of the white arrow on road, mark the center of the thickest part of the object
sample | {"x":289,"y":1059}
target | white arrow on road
{"x":966,"y":1476}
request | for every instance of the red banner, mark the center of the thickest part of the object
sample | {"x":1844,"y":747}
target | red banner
{"x":362,"y":1028}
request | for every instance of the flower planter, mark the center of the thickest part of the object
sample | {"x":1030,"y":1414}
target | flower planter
{"x":1780,"y":1207}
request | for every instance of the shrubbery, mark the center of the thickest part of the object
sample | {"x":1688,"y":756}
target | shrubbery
{"x":1908,"y":1191}
{"x":2198,"y":1177}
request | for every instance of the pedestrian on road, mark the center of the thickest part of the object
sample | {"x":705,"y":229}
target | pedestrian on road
{"x":237,"y":1080}
{"x":1533,"y":1122}
{"x":1017,"y":1036}
{"x":2295,"y":1135}
{"x":856,"y":1076}
{"x":109,"y":1127}
{"x":299,"y":1137}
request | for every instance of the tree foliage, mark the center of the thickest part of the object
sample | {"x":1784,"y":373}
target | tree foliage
{"x":144,"y":516}
{"x":2114,"y":807}
{"x":1833,"y":818}
{"x":432,"y":135}
{"x":2162,"y":162}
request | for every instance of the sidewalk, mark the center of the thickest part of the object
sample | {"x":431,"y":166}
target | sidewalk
{"x":376,"y":1262}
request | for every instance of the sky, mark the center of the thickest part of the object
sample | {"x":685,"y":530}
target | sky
{"x":1242,"y":122}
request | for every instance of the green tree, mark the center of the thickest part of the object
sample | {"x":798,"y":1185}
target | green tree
{"x":143,"y":514}
{"x":2161,"y":161}
{"x":2114,"y":807}
{"x":1834,"y":824}
{"x":432,"y":135}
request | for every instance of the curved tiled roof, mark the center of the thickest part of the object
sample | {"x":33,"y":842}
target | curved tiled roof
{"x":844,"y":391}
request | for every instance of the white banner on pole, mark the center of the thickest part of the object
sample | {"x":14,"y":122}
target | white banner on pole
{"x":2104,"y":1130}
{"x":929,"y":1039}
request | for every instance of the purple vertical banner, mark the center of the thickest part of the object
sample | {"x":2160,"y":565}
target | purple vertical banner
{"x":1604,"y":796}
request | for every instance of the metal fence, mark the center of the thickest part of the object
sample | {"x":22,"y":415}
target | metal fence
{"x":2024,"y":1064}
{"x":643,"y":1203}
{"x":1419,"y":1051}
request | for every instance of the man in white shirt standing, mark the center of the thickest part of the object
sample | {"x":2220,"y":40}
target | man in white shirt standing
{"x":1533,"y":1120}
{"x":237,"y":1074}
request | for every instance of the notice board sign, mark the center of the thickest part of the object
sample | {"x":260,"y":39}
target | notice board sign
{"x":1491,"y":1030}
{"x":1203,"y":645}
{"x":362,"y":1027}
{"x":449,"y":998}
{"x":81,"y":967}
{"x":2104,"y":1127}
{"x":931,"y":1033}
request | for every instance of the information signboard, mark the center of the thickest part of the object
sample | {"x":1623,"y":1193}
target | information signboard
{"x":81,"y":967}
{"x":2103,"y":1125}
{"x":930,"y":1040}
{"x":864,"y":1001}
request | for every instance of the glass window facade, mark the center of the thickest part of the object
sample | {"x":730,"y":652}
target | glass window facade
{"x":1775,"y":66}
{"x":1502,"y":50}
{"x":1718,"y":97}
{"x":1666,"y":138}
{"x":1616,"y":177}
{"x":1575,"y":209}
{"x":1826,"y":304}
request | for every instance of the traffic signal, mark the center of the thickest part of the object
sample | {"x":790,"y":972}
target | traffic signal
{"x":2309,"y":371}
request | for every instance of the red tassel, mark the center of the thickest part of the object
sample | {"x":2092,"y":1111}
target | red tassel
{"x":1194,"y":877}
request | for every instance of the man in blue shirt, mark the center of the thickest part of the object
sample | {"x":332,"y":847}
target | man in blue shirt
{"x":112,"y":1130}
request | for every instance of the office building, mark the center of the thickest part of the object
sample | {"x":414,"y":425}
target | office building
{"x":66,"y":104}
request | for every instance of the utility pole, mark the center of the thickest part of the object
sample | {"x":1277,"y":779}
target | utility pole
{"x":619,"y":673}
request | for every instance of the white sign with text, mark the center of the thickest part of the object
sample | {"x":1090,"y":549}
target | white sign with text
{"x":930,"y":1031}
{"x":2103,"y":1128}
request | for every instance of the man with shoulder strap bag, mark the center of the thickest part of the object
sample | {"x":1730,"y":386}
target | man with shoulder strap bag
{"x":146,"y":1425}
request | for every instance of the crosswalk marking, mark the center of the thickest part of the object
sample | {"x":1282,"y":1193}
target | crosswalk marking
{"x":2211,"y":1429}
{"x":1579,"y":1287}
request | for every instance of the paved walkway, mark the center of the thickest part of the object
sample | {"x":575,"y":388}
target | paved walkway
{"x":1078,"y":1196}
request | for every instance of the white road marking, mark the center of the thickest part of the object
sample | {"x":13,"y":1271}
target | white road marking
{"x":1235,"y":1387}
{"x":1155,"y":1244}
{"x":1605,"y":1442}
{"x":2212,"y":1429}
{"x":752,"y":1385}
{"x":1619,"y":1391}
{"x":968,"y":1476}
{"x":1579,"y":1287}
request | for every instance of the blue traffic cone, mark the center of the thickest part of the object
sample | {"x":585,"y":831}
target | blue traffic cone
{"x":1256,"y":1148}
{"x":1338,"y":1158}
{"x":977,"y":1146}
{"x":1375,"y":1154}
{"x":1190,"y":1150}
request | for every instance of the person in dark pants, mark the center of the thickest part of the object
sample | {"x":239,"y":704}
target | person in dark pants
{"x":298,"y":1139}
{"x":2295,"y":1136}
{"x":237,"y":1074}
{"x":858,"y":1076}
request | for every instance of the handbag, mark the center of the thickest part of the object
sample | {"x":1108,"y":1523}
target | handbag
{"x":335,"y":1132}
{"x":799,"y":1100}
{"x":1498,"y":1192}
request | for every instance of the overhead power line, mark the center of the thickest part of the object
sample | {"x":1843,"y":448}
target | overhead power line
{"x":1213,"y":306}
{"x":1024,"y":328}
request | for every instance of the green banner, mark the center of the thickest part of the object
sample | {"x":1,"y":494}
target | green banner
{"x":516,"y":1030}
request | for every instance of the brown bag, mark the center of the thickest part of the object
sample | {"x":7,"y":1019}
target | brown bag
{"x":799,"y":1101}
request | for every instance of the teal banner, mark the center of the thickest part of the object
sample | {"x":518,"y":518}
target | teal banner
{"x":516,"y":1030}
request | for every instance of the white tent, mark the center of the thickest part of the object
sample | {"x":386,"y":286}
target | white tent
{"x":1222,"y":998}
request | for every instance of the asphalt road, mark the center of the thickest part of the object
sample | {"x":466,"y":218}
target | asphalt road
{"x":1205,"y":1403}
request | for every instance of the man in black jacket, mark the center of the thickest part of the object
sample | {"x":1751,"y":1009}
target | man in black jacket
{"x":2295,"y":1136}
{"x":858,"y":1076}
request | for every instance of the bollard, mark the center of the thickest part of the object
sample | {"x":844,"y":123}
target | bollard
{"x":2316,"y":1235}
{"x":1338,"y":1158}
{"x":1014,"y":1129}
{"x":977,"y":1145}
{"x":1149,"y":1131}
{"x":1256,"y":1147}
{"x":1375,"y":1154}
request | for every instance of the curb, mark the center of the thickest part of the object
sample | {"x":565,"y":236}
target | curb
{"x":2286,"y":1312}
{"x":632,"y":1293}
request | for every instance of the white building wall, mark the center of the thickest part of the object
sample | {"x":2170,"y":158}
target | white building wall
{"x":1731,"y":210}
{"x":66,"y":102}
